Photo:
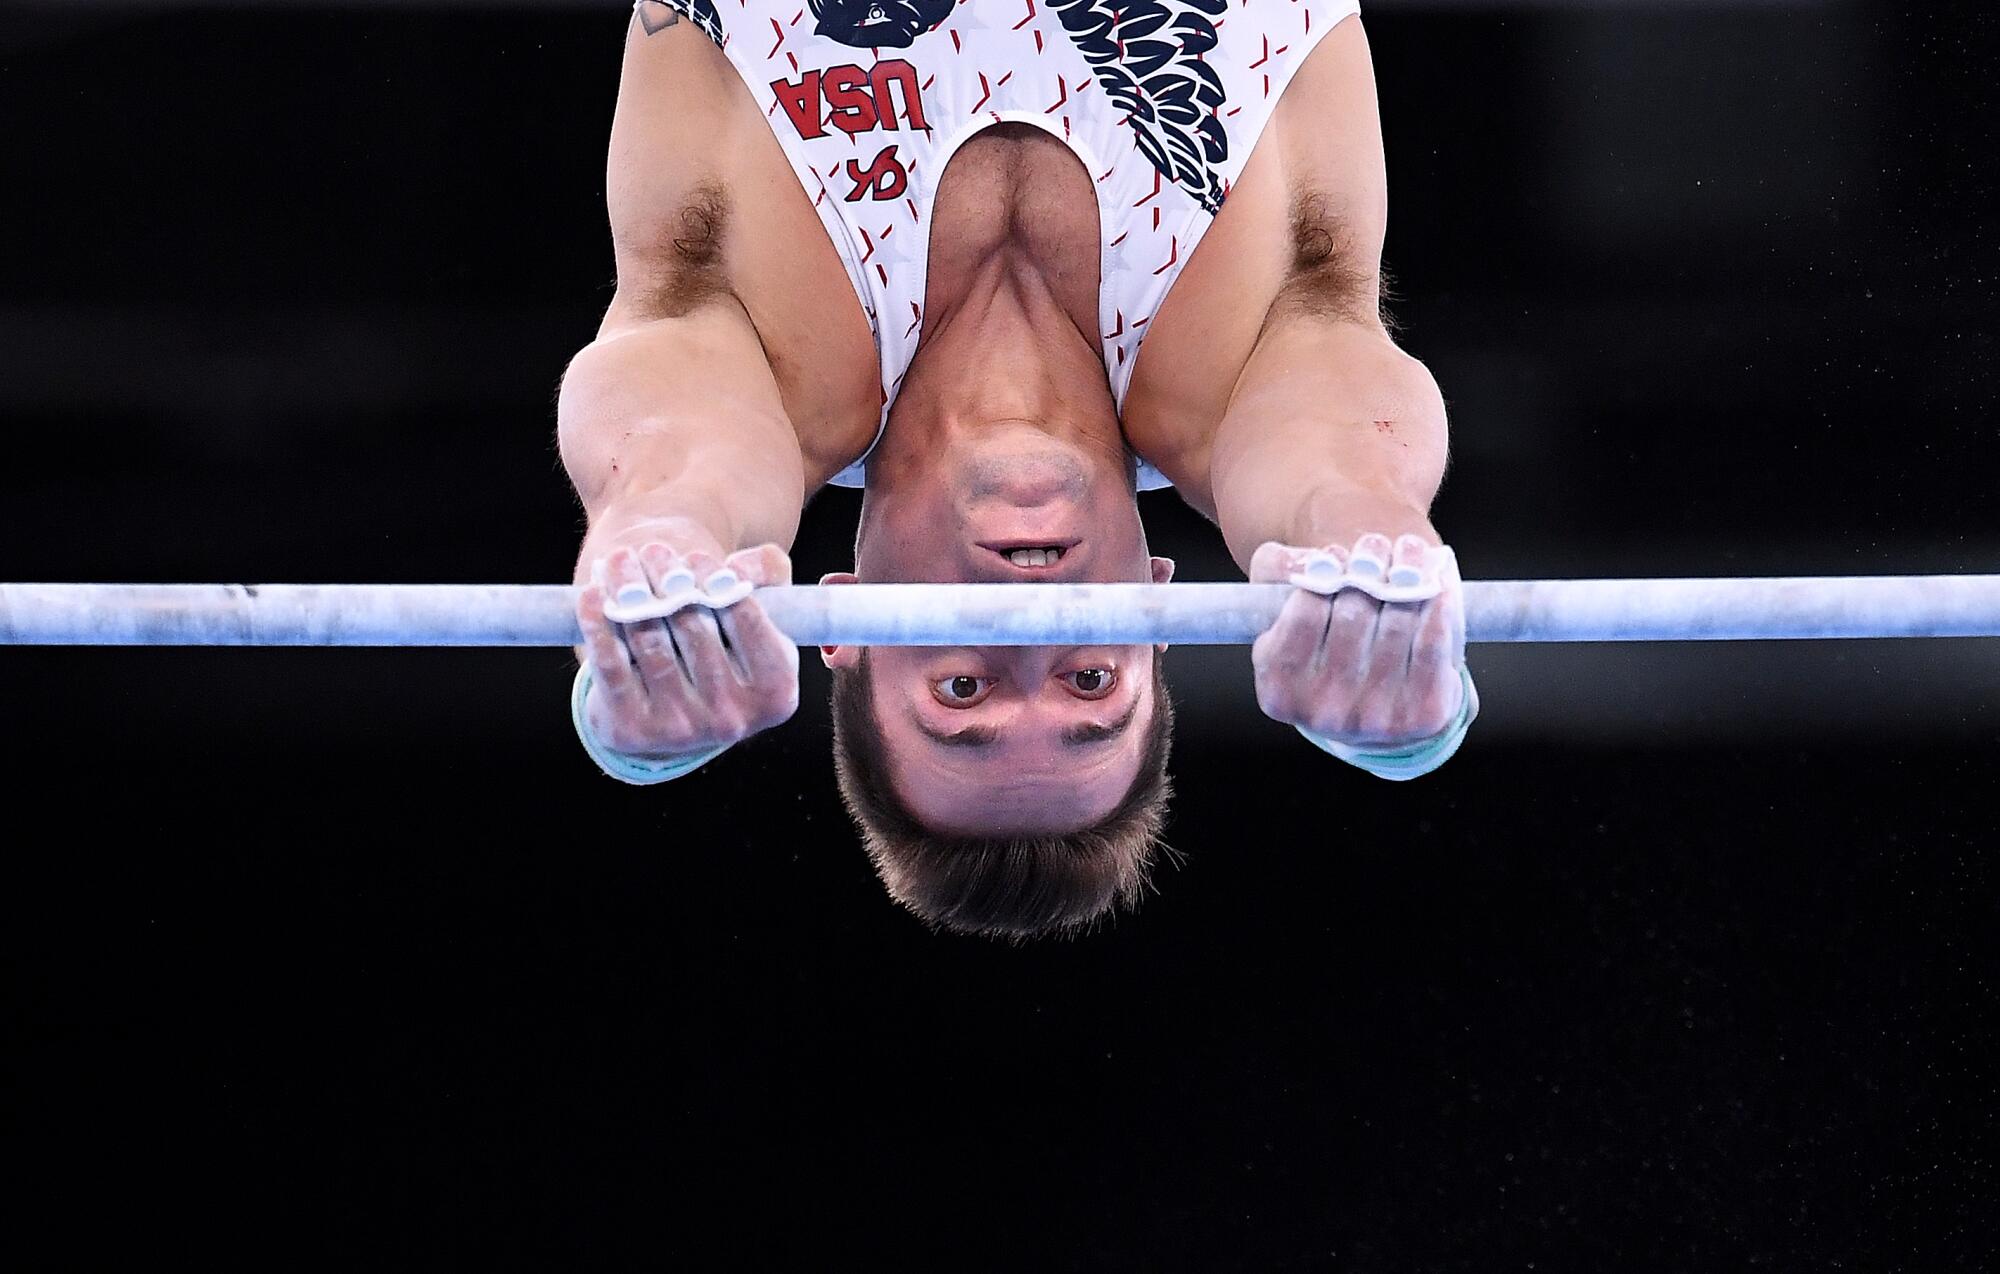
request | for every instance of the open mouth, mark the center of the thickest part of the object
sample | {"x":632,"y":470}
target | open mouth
{"x":1031,"y":556}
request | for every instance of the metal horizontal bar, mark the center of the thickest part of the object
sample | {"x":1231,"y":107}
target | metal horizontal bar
{"x":994,"y":614}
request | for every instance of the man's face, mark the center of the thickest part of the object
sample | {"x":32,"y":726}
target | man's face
{"x":995,"y":740}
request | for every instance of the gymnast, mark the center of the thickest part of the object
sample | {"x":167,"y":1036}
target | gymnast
{"x":919,"y":249}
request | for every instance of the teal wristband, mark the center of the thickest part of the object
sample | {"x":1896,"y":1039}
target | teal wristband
{"x":1418,"y":759}
{"x":623,"y":766}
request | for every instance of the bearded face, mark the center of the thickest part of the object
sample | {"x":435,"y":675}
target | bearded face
{"x":878,"y":24}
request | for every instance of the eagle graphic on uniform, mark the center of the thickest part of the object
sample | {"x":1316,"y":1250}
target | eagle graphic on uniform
{"x":1145,"y":55}
{"x":878,"y":24}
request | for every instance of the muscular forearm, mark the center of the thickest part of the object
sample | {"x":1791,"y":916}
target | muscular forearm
{"x":1332,"y":432}
{"x":678,"y":427}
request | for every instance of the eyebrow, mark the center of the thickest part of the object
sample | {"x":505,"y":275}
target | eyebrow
{"x":985,"y":736}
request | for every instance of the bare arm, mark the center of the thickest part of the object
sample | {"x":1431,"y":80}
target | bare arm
{"x":1331,"y":429}
{"x":1333,"y":432}
{"x":1335,"y":439}
{"x":675,"y":424}
{"x":675,"y":435}
{"x":671,"y":418}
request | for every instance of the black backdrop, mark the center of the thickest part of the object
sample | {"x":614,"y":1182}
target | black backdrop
{"x":350,"y":958}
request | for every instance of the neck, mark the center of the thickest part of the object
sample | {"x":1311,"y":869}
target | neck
{"x":999,"y":356}
{"x":1004,"y":430}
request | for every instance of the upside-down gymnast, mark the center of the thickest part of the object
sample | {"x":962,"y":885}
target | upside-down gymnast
{"x":921,"y":248}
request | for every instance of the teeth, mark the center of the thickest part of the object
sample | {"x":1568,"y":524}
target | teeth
{"x":1035,"y":557}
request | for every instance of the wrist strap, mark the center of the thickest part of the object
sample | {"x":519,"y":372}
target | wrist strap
{"x":623,"y":766}
{"x":1417,"y":759}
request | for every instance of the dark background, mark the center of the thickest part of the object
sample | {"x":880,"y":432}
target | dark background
{"x":350,"y":958}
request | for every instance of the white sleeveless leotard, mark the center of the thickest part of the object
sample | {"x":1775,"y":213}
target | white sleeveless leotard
{"x":1162,"y":101}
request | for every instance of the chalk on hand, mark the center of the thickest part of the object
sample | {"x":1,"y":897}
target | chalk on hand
{"x":1365,"y":565}
{"x":1322,"y":569}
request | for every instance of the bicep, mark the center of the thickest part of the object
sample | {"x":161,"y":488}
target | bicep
{"x":674,"y":400}
{"x":677,"y":394}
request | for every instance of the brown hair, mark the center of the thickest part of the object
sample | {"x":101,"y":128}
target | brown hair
{"x":1011,"y":887}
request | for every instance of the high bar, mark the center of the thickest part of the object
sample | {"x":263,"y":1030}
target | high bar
{"x":994,"y":614}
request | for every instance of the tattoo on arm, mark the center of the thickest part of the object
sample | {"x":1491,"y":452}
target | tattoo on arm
{"x":656,"y":15}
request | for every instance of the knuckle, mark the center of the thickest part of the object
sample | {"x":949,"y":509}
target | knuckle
{"x":678,"y":740}
{"x":626,"y":736}
{"x":1277,"y":699}
{"x":657,"y":556}
{"x":1354,"y":609}
{"x":1434,"y":723}
{"x":1376,"y":719}
{"x":773,"y":714}
{"x":1331,"y":722}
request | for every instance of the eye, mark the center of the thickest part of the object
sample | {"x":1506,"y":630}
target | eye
{"x":1092,"y":683}
{"x":960,"y":692}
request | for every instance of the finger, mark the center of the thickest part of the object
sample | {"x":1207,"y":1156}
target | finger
{"x":652,"y":648}
{"x":666,"y":569}
{"x":764,"y":655}
{"x":1454,"y":594}
{"x":1434,"y":665}
{"x":1370,"y":559}
{"x":1275,"y":563}
{"x":621,"y":712}
{"x":1411,"y":561}
{"x":710,"y":675}
{"x":1432,"y":649}
{"x":610,"y":663}
{"x":638,"y":575}
{"x":625,"y":578}
{"x":1394,"y":642}
{"x":1350,"y":642}
{"x":1291,"y":646}
{"x":766,"y":565}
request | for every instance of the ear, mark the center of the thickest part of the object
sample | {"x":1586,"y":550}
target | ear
{"x":1163,"y":573}
{"x":840,"y":656}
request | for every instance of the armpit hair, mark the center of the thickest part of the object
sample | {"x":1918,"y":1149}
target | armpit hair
{"x":685,"y":268}
{"x":1324,"y":278}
